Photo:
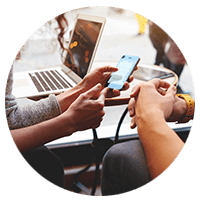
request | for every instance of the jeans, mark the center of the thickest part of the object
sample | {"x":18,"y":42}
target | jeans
{"x":124,"y":168}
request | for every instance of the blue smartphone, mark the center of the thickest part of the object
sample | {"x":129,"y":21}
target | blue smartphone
{"x":125,"y":66}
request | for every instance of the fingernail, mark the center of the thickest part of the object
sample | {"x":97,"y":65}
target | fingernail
{"x":174,"y":88}
{"x":131,"y":126}
{"x":99,"y":85}
{"x":133,"y":93}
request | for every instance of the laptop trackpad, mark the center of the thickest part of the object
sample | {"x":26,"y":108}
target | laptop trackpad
{"x":21,"y":83}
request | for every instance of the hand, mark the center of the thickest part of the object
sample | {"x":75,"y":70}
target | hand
{"x":147,"y":99}
{"x":98,"y":75}
{"x":179,"y":110}
{"x":85,"y":112}
{"x":179,"y":107}
{"x":101,"y":75}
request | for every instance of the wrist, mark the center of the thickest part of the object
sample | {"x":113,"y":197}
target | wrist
{"x":188,"y":110}
{"x":86,"y":84}
{"x":151,"y":127}
{"x":182,"y":107}
{"x":65,"y":123}
{"x":149,"y":120}
{"x":67,"y":98}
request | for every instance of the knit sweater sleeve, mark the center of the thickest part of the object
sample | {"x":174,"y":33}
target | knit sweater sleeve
{"x":19,"y":116}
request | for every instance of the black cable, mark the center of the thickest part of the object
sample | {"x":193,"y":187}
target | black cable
{"x":96,"y":145}
{"x":119,"y":125}
{"x":94,"y":134}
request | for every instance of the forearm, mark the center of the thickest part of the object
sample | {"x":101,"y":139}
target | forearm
{"x":20,"y":116}
{"x":161,"y":144}
{"x":67,"y":98}
{"x":37,"y":135}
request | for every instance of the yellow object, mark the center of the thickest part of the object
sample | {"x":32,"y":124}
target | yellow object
{"x":74,"y":44}
{"x":142,"y":23}
{"x":190,"y":107}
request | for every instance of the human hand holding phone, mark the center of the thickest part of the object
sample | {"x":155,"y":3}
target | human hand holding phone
{"x":126,"y":66}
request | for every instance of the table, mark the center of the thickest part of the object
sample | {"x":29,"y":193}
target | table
{"x":124,"y":97}
{"x":121,"y":100}
{"x":108,"y":129}
{"x":105,"y":143}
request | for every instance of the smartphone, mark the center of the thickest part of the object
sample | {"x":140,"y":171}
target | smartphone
{"x":125,"y":66}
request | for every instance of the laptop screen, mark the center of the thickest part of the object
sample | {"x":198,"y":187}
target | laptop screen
{"x":82,"y":46}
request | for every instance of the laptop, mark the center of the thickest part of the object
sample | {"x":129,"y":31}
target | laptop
{"x":79,"y":58}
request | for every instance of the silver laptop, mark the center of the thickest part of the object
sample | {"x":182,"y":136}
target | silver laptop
{"x":78,"y":62}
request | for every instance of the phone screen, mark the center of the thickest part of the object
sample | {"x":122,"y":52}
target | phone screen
{"x":146,"y":74}
{"x":125,"y":67}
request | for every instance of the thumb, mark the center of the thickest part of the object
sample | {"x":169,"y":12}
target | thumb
{"x":170,"y":94}
{"x":171,"y":90}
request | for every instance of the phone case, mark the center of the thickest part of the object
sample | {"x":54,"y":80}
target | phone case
{"x":125,"y":66}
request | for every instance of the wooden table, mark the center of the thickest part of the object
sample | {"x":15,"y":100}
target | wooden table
{"x":125,"y":95}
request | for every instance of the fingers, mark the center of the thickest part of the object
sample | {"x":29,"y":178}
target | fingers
{"x":115,"y":92}
{"x":162,"y":87}
{"x":171,"y":91}
{"x":158,"y":83}
{"x":102,"y":95}
{"x":126,"y":86}
{"x":92,"y":92}
{"x":161,"y":91}
{"x":135,"y":90}
{"x":133,"y":122}
{"x":131,"y":107}
{"x":130,"y":79}
{"x":107,"y":69}
{"x":92,"y":123}
{"x":94,"y":99}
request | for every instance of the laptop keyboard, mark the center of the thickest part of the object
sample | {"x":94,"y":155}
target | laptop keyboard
{"x":49,"y":80}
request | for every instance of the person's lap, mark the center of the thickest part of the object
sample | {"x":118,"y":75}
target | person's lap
{"x":124,"y":168}
{"x":47,"y":164}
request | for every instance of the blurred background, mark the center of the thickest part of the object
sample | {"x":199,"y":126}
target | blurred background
{"x":122,"y":35}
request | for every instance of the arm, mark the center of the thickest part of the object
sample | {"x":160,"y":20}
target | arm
{"x":36,"y":135}
{"x":19,"y":116}
{"x":179,"y":107}
{"x":160,"y":143}
{"x":45,"y":109}
{"x":83,"y":113}
{"x":97,"y":75}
